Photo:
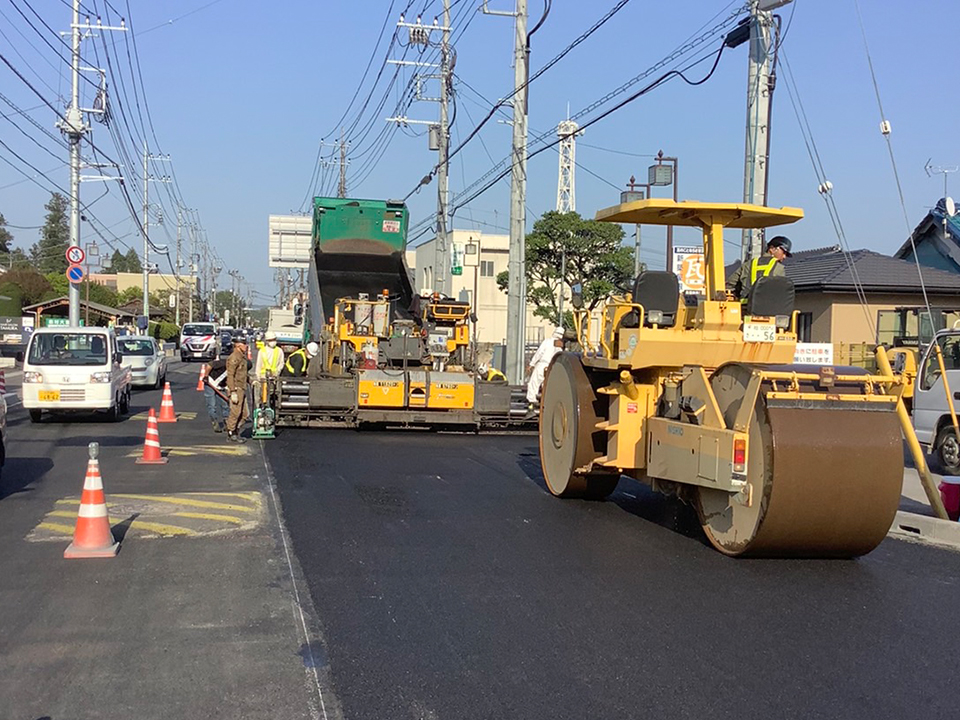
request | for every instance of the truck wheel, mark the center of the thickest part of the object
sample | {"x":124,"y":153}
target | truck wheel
{"x":125,"y":403}
{"x":947,"y":450}
{"x":36,"y":416}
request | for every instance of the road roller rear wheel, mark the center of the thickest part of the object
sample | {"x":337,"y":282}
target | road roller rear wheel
{"x":569,"y":439}
{"x":825,"y":482}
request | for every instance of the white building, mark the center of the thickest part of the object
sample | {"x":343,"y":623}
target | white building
{"x":491,"y":305}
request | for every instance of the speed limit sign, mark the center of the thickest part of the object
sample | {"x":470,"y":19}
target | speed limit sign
{"x":75,"y":255}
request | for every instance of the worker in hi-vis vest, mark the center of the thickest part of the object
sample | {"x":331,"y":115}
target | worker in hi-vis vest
{"x":743,"y":279}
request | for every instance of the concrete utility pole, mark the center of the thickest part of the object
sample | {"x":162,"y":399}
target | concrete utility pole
{"x":74,"y":127}
{"x":146,"y":237}
{"x":194,"y":258}
{"x":760,"y":85}
{"x":177,"y":278}
{"x":517,"y":285}
{"x":342,"y":186}
{"x":441,"y":261}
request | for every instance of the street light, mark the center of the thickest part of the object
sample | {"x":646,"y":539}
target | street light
{"x":661,"y":174}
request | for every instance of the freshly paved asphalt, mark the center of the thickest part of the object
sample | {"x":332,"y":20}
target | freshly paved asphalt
{"x":173,"y":627}
{"x":449,"y":584}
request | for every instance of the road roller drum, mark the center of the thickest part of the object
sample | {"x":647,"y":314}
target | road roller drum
{"x":826,"y":474}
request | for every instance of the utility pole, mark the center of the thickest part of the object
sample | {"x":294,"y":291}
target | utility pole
{"x":342,"y":187}
{"x":441,"y":261}
{"x":760,"y":84}
{"x":147,"y":179}
{"x":517,"y":285}
{"x":194,"y":259}
{"x":419,"y":34}
{"x":74,"y":127}
{"x":177,"y":278}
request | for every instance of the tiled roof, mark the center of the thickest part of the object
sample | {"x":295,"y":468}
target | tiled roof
{"x":832,"y":270}
{"x":935,"y":216}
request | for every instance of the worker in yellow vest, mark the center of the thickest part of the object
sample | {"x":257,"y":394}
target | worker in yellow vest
{"x":491,"y":374}
{"x":298,"y":361}
{"x":771,"y":264}
{"x":269,"y":359}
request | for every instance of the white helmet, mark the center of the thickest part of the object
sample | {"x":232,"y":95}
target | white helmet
{"x":558,"y":334}
{"x":312,"y":349}
{"x":271,"y":335}
{"x":482,"y":369}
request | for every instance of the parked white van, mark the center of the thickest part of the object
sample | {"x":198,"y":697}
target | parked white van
{"x":71,"y":369}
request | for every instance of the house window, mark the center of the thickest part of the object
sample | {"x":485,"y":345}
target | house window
{"x":804,"y":327}
{"x":486,"y":268}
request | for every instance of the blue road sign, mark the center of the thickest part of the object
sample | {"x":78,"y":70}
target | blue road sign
{"x":75,"y":273}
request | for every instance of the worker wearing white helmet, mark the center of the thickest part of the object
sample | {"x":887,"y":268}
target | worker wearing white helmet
{"x":299,"y":360}
{"x":539,"y":362}
{"x":269,"y":358}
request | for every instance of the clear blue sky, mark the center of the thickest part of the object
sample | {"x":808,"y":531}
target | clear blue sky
{"x":240,"y":94}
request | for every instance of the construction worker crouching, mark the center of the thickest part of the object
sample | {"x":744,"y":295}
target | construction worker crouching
{"x":490,"y":374}
{"x":296,"y":365}
{"x":743,"y":279}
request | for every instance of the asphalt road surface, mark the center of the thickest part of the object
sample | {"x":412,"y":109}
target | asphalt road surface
{"x":449,"y":584}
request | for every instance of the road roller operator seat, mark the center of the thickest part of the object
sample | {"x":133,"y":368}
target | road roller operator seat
{"x":771,"y":297}
{"x":659,"y":293}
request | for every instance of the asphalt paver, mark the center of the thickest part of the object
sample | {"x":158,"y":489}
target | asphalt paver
{"x":449,"y":584}
{"x":197,"y":625}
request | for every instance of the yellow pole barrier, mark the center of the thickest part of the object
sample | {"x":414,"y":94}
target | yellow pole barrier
{"x":926,"y":479}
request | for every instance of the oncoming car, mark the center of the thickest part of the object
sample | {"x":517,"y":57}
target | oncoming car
{"x":199,"y":341}
{"x":75,"y":369}
{"x":146,"y":360}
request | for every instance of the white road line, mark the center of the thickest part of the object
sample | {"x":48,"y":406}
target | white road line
{"x":271,"y":483}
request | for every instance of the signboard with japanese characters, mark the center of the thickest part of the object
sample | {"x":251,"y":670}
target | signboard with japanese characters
{"x":689,"y":267}
{"x":814,"y":353}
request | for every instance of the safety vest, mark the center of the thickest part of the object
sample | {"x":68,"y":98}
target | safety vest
{"x":757,"y":270}
{"x":494,"y":374}
{"x":290,"y":369}
{"x":271,"y":359}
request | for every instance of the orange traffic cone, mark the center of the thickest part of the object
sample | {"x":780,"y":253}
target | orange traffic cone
{"x":166,"y":406}
{"x":151,"y":444}
{"x":92,"y":537}
{"x":249,"y":353}
{"x":203,"y":375}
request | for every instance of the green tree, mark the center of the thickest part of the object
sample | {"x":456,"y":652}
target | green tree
{"x":5,"y":237}
{"x":32,"y":286}
{"x":129,"y":295}
{"x":118,"y":263}
{"x":133,"y":263}
{"x":595,"y":255}
{"x":48,"y":254}
{"x":226,"y":301}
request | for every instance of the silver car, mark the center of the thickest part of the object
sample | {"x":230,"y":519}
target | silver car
{"x":146,"y":360}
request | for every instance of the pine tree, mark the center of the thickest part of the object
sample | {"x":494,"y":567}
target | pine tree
{"x":133,"y":261}
{"x":49,"y":253}
{"x":118,"y":263}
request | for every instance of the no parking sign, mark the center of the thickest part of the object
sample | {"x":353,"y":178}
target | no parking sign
{"x":75,"y":273}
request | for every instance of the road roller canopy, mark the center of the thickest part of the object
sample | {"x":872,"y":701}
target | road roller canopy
{"x":692,"y":213}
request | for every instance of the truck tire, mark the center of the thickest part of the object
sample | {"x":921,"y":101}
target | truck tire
{"x":947,"y":451}
{"x":36,"y":416}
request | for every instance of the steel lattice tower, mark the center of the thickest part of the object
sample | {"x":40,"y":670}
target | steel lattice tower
{"x":567,"y":131}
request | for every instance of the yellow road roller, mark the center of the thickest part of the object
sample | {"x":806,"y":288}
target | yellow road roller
{"x":698,"y":396}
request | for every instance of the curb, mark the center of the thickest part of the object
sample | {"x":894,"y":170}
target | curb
{"x":929,"y":530}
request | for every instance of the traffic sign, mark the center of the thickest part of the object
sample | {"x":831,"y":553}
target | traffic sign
{"x":75,"y":255}
{"x":75,"y":273}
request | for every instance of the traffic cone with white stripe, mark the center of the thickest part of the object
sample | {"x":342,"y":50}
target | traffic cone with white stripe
{"x":166,"y":406}
{"x":92,"y":537}
{"x":249,"y":353}
{"x":3,"y":382}
{"x":151,"y":443}
{"x":203,"y":375}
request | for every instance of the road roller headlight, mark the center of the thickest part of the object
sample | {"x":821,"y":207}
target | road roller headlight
{"x":655,"y":317}
{"x":783,"y":321}
{"x":740,"y":456}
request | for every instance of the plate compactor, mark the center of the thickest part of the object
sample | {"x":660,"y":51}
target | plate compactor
{"x":698,"y":395}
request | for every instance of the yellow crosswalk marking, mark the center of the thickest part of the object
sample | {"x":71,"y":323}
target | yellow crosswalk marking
{"x":56,"y":527}
{"x":190,"y":502}
{"x":161,"y":528}
{"x":211,"y":516}
{"x":253,"y":496}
